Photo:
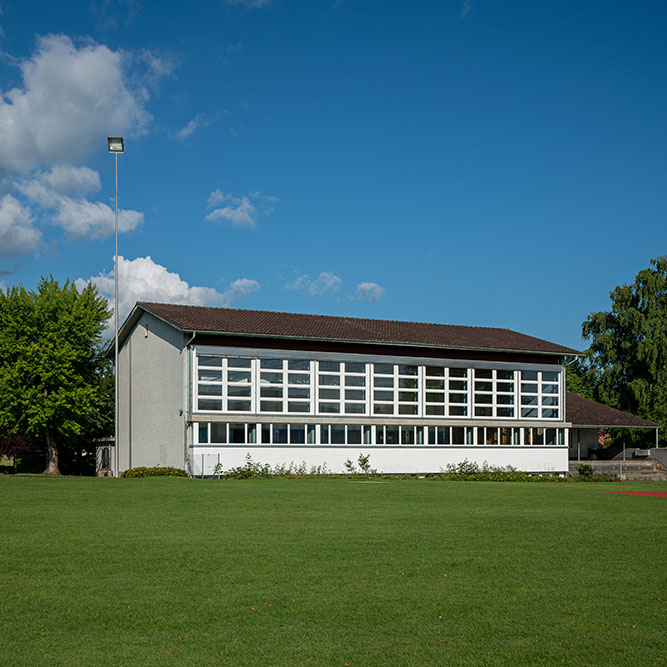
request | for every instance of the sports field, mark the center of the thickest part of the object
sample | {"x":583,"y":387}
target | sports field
{"x":330,"y":572}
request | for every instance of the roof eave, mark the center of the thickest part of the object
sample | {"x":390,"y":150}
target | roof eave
{"x":377,"y":342}
{"x":575,"y":425}
{"x":127,"y":326}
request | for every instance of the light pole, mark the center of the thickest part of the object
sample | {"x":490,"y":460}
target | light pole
{"x":116,"y":146}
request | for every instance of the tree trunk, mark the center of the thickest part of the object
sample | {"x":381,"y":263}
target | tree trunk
{"x":51,"y":455}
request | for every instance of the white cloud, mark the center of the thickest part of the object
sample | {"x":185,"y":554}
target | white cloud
{"x":200,"y":121}
{"x":239,"y":289}
{"x":18,"y":235}
{"x":71,"y":98}
{"x":78,"y":216}
{"x":142,"y":279}
{"x":77,"y":181}
{"x":240,"y":211}
{"x":81,"y":218}
{"x":325,"y":282}
{"x":370,"y":292}
{"x":160,"y":65}
{"x":466,"y":8}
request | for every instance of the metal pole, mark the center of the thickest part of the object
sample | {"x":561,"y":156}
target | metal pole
{"x":623,"y":460}
{"x":115,"y":317}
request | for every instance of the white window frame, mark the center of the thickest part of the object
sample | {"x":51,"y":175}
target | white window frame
{"x":369,"y":361}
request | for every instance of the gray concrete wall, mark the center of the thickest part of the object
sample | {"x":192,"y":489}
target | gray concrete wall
{"x":659,"y":455}
{"x":153,"y":367}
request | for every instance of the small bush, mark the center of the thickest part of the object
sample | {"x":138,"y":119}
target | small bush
{"x":255,"y":470}
{"x":585,"y":471}
{"x":154,"y":472}
{"x":471,"y":472}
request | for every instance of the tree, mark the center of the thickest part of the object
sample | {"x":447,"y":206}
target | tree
{"x":628,"y":352}
{"x":52,"y":368}
{"x":578,"y":378}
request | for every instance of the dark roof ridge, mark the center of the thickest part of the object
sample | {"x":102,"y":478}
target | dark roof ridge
{"x":338,"y":317}
{"x":236,"y":321}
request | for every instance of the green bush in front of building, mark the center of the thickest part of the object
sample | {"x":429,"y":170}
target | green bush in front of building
{"x":154,"y":472}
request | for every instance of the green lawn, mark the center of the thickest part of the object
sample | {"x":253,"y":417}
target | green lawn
{"x":330,"y":572}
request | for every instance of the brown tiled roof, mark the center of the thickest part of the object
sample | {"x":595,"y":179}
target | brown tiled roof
{"x":326,"y":327}
{"x":584,"y":412}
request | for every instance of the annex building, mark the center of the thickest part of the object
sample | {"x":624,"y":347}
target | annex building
{"x":201,"y":386}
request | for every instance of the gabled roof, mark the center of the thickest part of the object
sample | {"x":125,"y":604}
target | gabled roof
{"x":231,"y":321}
{"x":584,"y":412}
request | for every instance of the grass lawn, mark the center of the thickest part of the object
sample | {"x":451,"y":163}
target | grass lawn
{"x":330,"y":572}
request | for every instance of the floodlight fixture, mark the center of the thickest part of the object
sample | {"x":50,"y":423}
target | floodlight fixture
{"x":116,"y":144}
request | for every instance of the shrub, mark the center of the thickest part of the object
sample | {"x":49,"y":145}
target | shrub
{"x":472,"y":472}
{"x":255,"y":470}
{"x":585,"y":471}
{"x":154,"y":472}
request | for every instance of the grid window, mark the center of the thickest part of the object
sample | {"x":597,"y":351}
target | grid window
{"x":493,"y":393}
{"x":307,"y":387}
{"x":342,"y":388}
{"x":384,"y":389}
{"x":457,"y":392}
{"x":285,"y":385}
{"x":395,"y":389}
{"x":434,"y":391}
{"x":438,"y":435}
{"x":224,"y":384}
{"x":540,"y":395}
{"x":223,"y":433}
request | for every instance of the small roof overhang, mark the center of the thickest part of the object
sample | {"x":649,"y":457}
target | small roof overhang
{"x":584,"y":413}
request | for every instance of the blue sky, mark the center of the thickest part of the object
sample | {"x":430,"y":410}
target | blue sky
{"x":464,"y":162}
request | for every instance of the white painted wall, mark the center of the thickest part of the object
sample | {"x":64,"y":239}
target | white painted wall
{"x":152,"y":389}
{"x":385,"y":459}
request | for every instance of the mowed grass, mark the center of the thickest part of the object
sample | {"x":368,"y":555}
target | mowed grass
{"x":330,"y":572}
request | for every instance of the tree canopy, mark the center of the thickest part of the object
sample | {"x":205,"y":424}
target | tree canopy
{"x":628,"y":351}
{"x":54,"y":385}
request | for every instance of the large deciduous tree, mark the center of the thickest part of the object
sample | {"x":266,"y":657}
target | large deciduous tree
{"x":628,"y":352}
{"x":52,"y":366}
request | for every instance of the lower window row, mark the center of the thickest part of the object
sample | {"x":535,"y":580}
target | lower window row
{"x":355,"y":434}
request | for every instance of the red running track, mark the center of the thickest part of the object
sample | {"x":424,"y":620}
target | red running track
{"x":657,"y":494}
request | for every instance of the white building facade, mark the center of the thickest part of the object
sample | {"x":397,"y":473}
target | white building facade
{"x":206,"y":387}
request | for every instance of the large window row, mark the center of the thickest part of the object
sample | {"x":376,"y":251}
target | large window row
{"x":304,"y":386}
{"x":355,"y":434}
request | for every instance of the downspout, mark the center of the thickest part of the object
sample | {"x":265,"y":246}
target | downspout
{"x":186,"y":403}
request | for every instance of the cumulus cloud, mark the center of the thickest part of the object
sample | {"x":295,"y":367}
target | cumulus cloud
{"x":370,"y":292}
{"x":239,"y":289}
{"x":142,"y":279}
{"x":18,"y":235}
{"x":69,"y":180}
{"x":325,"y":282}
{"x":69,"y":99}
{"x":200,"y":121}
{"x":78,"y":216}
{"x":242,"y":211}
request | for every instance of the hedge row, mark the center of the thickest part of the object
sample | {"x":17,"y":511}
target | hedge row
{"x":154,"y":472}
